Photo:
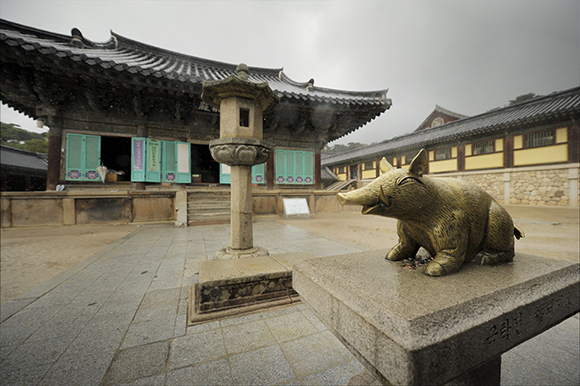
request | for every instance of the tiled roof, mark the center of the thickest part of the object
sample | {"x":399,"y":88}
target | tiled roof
{"x":439,"y":109}
{"x":21,"y":159}
{"x":186,"y":72}
{"x":537,"y":111}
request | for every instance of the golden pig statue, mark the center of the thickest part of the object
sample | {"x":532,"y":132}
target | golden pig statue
{"x":454,"y":220}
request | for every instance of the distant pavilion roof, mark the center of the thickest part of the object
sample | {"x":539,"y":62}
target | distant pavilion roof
{"x":12,"y":158}
{"x":559,"y":105}
{"x":134,"y":62}
{"x":439,"y":109}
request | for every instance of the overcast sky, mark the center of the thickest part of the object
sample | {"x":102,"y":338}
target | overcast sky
{"x":466,"y":56}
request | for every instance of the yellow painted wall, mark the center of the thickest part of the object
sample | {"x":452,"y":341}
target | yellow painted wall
{"x":562,"y":135}
{"x":448,"y":165}
{"x":468,"y":149}
{"x":499,"y":144}
{"x":541,"y":155}
{"x":454,"y":152}
{"x":341,"y":177}
{"x":431,"y":155}
{"x":486,"y":161}
{"x":518,"y":141}
{"x":369,"y":174}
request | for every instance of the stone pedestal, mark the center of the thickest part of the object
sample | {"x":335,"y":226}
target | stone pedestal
{"x":237,"y":286}
{"x":411,"y":329}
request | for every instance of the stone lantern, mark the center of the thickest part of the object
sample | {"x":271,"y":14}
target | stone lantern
{"x":242,"y":104}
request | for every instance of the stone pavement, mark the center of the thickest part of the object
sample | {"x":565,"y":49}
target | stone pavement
{"x":119,"y":317}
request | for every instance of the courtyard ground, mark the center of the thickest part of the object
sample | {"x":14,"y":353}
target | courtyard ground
{"x":31,"y":256}
{"x":118,"y":316}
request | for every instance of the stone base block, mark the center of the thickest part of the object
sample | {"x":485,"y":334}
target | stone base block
{"x":234,"y":286}
{"x":412,"y":329}
{"x":231,"y":253}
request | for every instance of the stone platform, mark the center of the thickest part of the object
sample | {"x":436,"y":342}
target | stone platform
{"x":411,"y":329}
{"x":236,"y":286}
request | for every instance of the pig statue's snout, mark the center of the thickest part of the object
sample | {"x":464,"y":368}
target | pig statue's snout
{"x":341,"y":198}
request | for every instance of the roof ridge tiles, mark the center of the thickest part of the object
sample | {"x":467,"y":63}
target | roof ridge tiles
{"x":124,"y":42}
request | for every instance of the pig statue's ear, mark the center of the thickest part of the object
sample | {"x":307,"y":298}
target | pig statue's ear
{"x":385,"y":166}
{"x":419,"y":164}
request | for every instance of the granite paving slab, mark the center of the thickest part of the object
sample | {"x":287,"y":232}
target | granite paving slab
{"x":138,"y":362}
{"x":53,"y":336}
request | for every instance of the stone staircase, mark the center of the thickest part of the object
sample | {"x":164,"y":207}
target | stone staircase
{"x":208,"y":207}
{"x":341,"y":185}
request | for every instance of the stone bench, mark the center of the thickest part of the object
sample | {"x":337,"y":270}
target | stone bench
{"x":411,"y":329}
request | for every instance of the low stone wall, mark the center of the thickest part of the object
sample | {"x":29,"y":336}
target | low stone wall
{"x":25,"y":209}
{"x":542,"y":187}
{"x":492,"y":183}
{"x":319,"y":201}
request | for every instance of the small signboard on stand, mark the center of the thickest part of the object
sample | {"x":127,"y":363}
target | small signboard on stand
{"x":296,"y":208}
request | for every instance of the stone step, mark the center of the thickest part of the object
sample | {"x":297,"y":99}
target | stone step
{"x":209,"y":213}
{"x":208,"y":199}
{"x":205,"y":208}
{"x":207,"y":195}
{"x":210,"y":206}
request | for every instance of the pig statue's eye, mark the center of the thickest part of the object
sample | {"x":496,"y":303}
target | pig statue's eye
{"x":406,"y":180}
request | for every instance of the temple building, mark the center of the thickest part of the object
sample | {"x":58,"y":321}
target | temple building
{"x":137,"y":110}
{"x":526,"y":153}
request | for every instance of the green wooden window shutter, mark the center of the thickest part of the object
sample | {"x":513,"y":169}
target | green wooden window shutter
{"x":183,"y":162}
{"x":294,"y":167}
{"x":225,"y":174}
{"x":83,"y":156}
{"x":139,"y":158}
{"x":74,"y":157}
{"x":168,"y":161}
{"x":280,"y":158}
{"x":258,"y":175}
{"x":308,"y":167}
{"x":153,"y":165}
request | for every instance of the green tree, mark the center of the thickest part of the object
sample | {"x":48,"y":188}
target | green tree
{"x":338,"y":148}
{"x":523,"y":98}
{"x":12,"y":135}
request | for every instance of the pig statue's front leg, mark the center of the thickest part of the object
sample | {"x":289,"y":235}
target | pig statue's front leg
{"x":405,"y":248}
{"x":447,"y":261}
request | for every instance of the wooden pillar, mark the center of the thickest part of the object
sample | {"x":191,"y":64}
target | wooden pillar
{"x":317,"y":171}
{"x":574,"y":143}
{"x":461,"y":158}
{"x":508,"y":151}
{"x":54,"y":156}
